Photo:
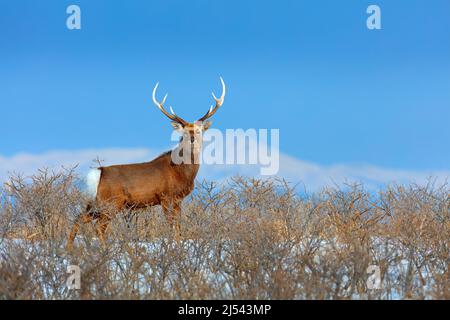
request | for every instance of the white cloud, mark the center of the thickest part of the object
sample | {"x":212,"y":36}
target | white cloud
{"x":313,"y":176}
{"x":27,"y":164}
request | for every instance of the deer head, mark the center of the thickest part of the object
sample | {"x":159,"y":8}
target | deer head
{"x":191,"y":132}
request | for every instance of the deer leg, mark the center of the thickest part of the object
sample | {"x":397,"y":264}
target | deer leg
{"x":176,"y":217}
{"x":73,"y":234}
{"x":130,"y":216}
{"x":171,"y":209}
{"x":101,"y":226}
{"x":167,"y":211}
{"x":86,"y":217}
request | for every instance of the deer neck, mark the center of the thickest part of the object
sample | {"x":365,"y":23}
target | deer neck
{"x":189,"y":171}
{"x":190,"y":165}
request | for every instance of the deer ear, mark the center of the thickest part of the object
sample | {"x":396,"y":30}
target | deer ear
{"x":206,"y":125}
{"x":177,"y":126}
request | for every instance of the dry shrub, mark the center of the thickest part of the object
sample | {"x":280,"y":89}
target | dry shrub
{"x":244,"y":239}
{"x":42,"y":204}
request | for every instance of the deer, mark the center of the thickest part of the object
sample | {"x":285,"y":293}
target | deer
{"x":165,"y":180}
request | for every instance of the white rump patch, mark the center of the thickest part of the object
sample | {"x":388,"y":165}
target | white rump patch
{"x":92,"y":181}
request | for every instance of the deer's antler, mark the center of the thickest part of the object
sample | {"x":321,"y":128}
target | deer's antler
{"x":219,"y":103}
{"x":172,"y":116}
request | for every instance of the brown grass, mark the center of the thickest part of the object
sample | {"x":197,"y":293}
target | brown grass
{"x":245,"y":239}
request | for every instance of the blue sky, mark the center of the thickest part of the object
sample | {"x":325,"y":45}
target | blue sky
{"x":341,"y":95}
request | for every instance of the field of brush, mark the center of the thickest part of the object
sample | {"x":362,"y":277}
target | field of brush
{"x":243,"y":239}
